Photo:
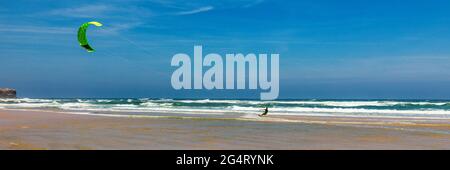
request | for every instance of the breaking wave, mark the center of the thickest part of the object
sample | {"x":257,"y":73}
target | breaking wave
{"x":351,"y":108}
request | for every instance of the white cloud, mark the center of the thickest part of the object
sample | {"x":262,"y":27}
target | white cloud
{"x":195,"y":11}
{"x":107,"y":29}
{"x":36,"y":29}
{"x":83,"y":11}
{"x":116,"y":28}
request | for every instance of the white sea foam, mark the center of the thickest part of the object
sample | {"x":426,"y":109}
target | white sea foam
{"x":322,"y":103}
{"x":27,"y":100}
{"x":211,"y":101}
{"x":104,"y":100}
{"x":425,"y":109}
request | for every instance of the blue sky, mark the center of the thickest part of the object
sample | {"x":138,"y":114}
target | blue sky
{"x":328,"y":48}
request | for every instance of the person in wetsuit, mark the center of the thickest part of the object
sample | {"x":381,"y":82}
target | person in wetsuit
{"x":265,"y":112}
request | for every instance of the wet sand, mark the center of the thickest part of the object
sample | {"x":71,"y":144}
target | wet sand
{"x":51,"y":130}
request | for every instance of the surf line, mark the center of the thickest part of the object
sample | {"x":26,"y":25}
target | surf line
{"x":235,"y":64}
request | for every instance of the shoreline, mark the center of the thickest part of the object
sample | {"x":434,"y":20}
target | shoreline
{"x":25,"y":129}
{"x":375,"y":122}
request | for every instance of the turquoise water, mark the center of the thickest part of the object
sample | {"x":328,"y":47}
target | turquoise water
{"x":426,"y":109}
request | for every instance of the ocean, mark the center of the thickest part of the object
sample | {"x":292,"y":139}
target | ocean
{"x":420,"y":109}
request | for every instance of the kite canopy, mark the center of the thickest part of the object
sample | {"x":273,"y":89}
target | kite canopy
{"x":82,"y":35}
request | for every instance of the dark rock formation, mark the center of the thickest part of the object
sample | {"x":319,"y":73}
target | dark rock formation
{"x":7,"y":93}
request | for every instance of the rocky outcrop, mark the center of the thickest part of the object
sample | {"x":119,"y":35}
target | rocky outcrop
{"x":7,"y":93}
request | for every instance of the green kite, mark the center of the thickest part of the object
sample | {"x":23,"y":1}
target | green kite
{"x":82,"y":35}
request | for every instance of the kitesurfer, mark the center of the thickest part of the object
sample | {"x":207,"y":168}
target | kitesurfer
{"x":266,"y":110}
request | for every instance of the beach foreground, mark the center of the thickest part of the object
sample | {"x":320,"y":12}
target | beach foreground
{"x":52,"y":130}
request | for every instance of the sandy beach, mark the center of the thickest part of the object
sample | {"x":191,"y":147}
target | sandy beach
{"x":52,"y":130}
